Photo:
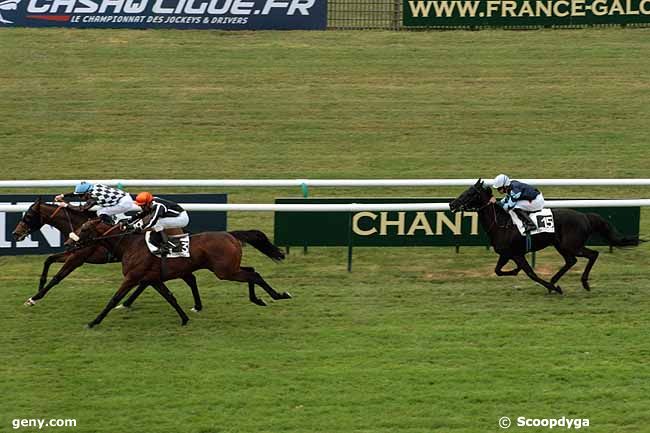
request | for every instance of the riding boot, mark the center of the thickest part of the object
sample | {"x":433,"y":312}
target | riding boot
{"x":166,"y":245}
{"x":524,"y":216}
{"x":106,"y":219}
{"x":165,"y":248}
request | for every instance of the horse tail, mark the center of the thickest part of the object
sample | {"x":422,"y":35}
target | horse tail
{"x":601,"y":226}
{"x":259,"y":240}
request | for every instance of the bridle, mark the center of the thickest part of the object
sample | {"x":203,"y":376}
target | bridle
{"x":463,"y":207}
{"x":57,"y":210}
{"x":45,"y":218}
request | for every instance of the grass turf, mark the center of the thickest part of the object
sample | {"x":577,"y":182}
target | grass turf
{"x":415,"y":339}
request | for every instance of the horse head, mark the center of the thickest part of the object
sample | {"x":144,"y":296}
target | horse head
{"x":473,"y":198}
{"x":30,"y":222}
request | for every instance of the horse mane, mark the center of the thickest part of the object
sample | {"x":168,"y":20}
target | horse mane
{"x":503,"y":216}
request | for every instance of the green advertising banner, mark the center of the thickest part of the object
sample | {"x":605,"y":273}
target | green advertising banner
{"x":523,"y":13}
{"x":412,"y":228}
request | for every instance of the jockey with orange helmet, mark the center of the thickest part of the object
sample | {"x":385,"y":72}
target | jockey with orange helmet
{"x":159,"y":214}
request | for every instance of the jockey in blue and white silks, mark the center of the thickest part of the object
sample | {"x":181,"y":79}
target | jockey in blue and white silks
{"x":520,"y":197}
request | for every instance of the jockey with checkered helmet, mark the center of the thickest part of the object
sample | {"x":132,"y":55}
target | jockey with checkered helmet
{"x":520,"y":197}
{"x":111,"y":201}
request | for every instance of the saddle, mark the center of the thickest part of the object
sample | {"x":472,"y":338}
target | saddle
{"x":180,"y":241}
{"x":543,"y":221}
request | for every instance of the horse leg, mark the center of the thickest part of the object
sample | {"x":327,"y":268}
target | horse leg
{"x":268,"y":289}
{"x":71,"y":263}
{"x":54,"y":258}
{"x":501,"y":263}
{"x":190,"y":280}
{"x":252,"y":296}
{"x":523,"y":264}
{"x":127,"y":304}
{"x":249,"y":275}
{"x":117,"y":297}
{"x":591,"y":255}
{"x":169,"y":297}
{"x":569,"y":262}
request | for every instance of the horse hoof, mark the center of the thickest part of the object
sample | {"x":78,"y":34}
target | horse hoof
{"x":30,"y":302}
{"x":184,"y":322}
{"x":286,"y":295}
{"x":586,"y":286}
{"x":89,"y":325}
{"x":259,"y":302}
{"x":558,"y":289}
{"x":195,"y":310}
{"x":122,"y":307}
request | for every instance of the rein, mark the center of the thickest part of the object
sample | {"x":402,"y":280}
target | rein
{"x":494,"y":216}
{"x":67,"y":216}
{"x":57,"y":210}
{"x":103,"y":236}
{"x":110,"y":230}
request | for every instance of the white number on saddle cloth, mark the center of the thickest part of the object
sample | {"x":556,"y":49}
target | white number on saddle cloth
{"x":542,"y":219}
{"x":184,"y":250}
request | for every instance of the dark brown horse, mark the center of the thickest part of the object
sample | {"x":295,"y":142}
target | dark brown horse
{"x":218,"y":252}
{"x":67,"y":220}
{"x":572,"y":230}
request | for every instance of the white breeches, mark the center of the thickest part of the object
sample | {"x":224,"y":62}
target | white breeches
{"x":172,"y":223}
{"x":531,"y":206}
{"x":124,"y":205}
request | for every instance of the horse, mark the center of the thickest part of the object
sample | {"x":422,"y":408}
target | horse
{"x":67,"y":220}
{"x":219,"y":252}
{"x":572,"y":230}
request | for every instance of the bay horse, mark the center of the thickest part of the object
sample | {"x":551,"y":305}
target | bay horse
{"x":572,"y":230}
{"x":218,"y":252}
{"x":67,"y":220}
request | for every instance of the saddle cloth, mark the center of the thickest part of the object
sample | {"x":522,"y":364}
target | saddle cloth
{"x":181,"y":245}
{"x":542,"y":219}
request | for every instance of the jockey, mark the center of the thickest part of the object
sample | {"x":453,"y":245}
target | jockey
{"x":520,"y":197}
{"x":111,"y":201}
{"x":163,"y":214}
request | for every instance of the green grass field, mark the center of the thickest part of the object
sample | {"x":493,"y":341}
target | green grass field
{"x":415,"y":339}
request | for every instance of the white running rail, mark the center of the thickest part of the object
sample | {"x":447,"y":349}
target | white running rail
{"x":359,"y":207}
{"x":311,"y":182}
